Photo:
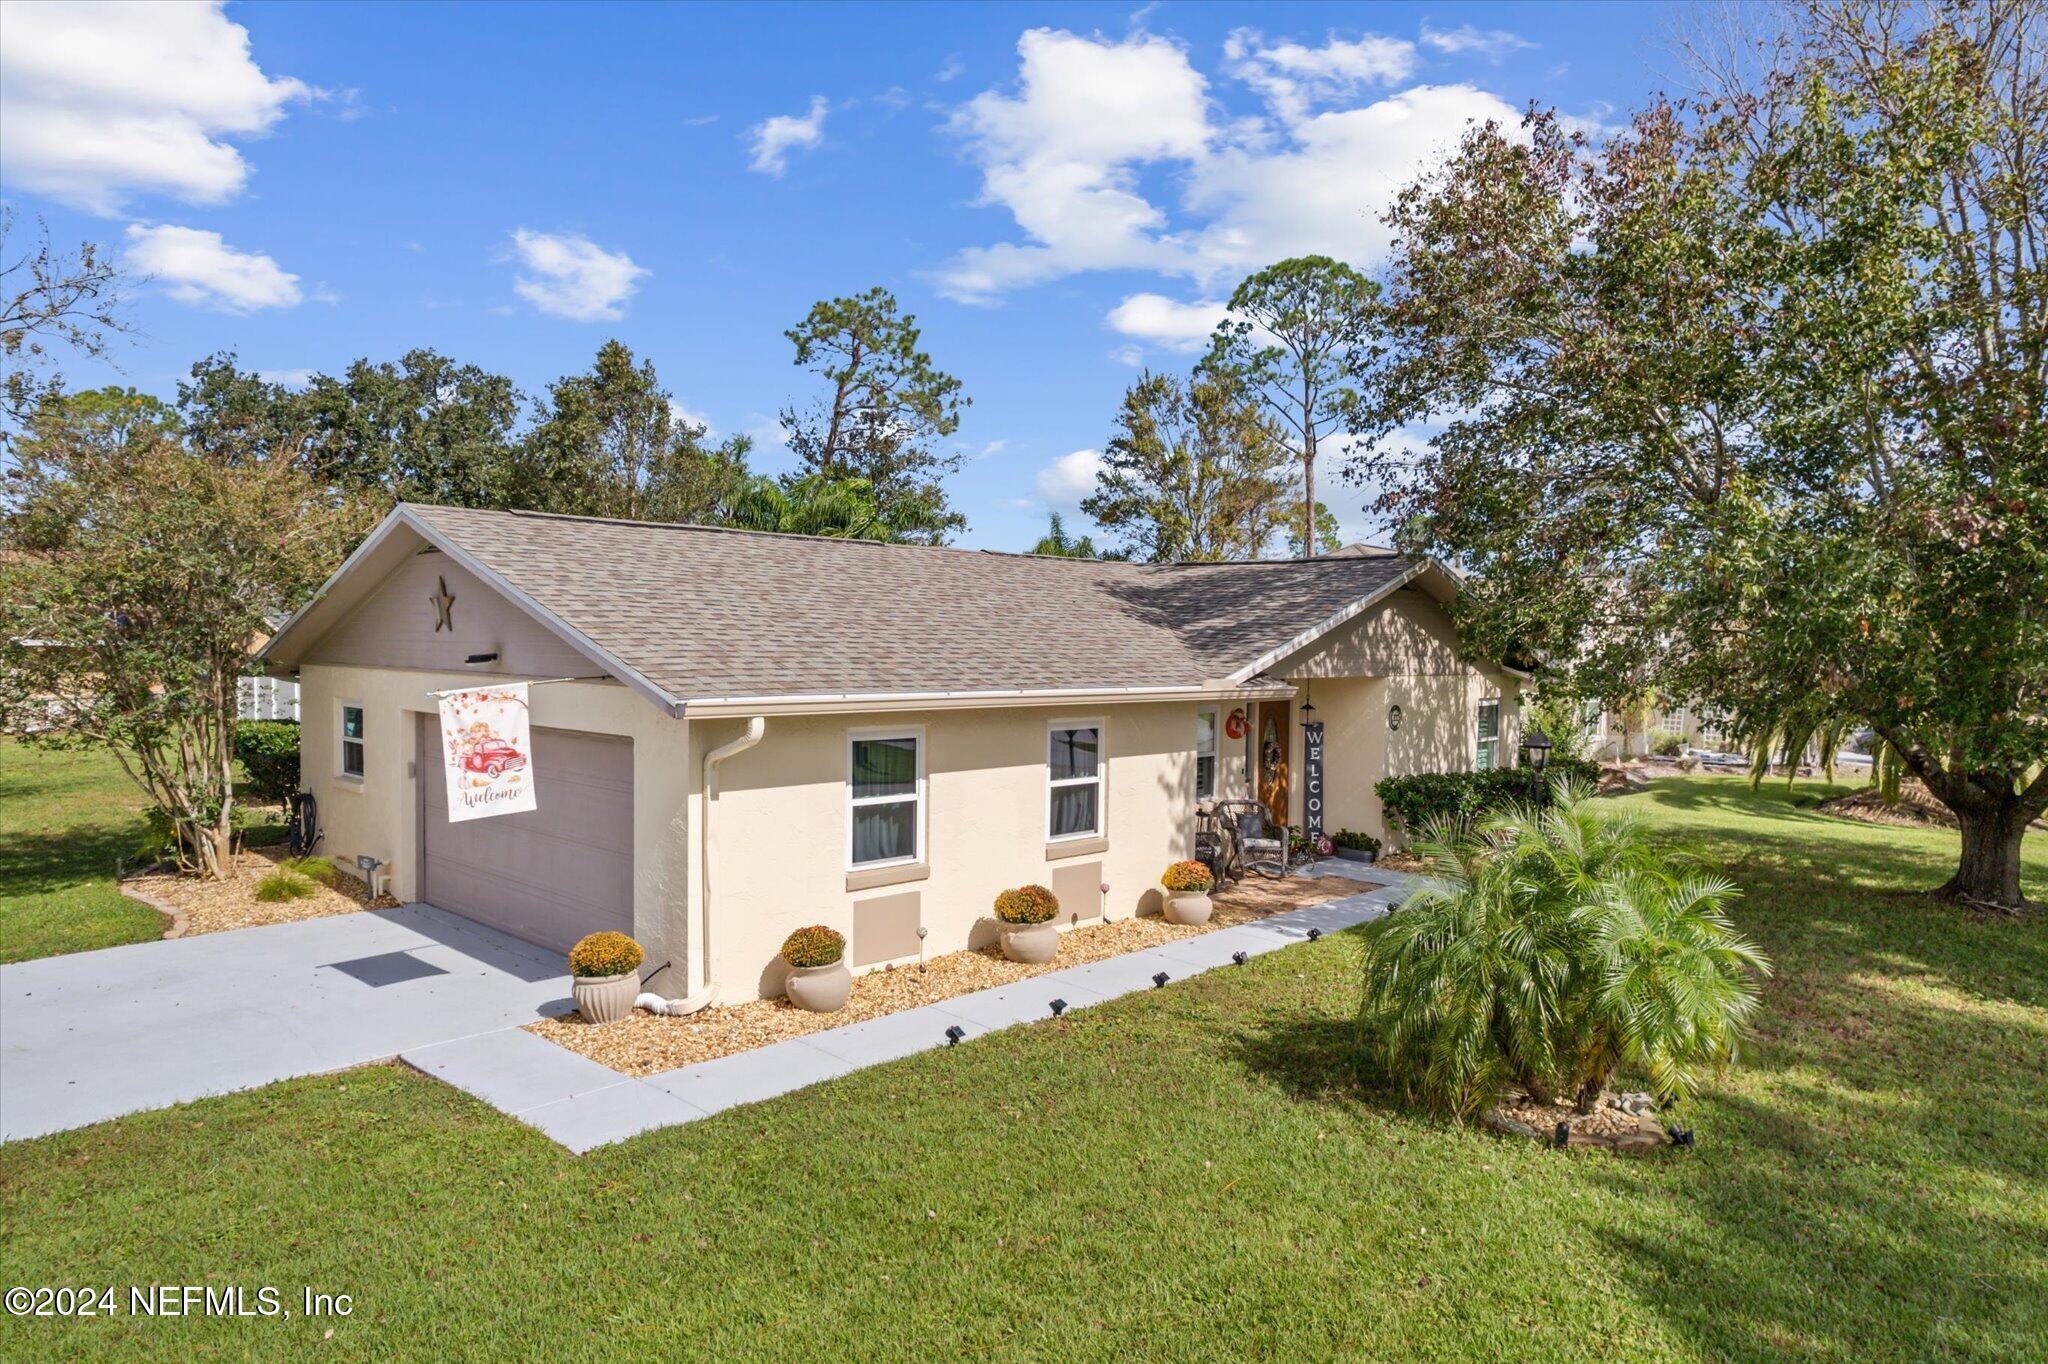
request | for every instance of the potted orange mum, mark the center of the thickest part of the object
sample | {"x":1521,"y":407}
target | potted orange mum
{"x":1187,"y":893}
{"x":605,"y":971}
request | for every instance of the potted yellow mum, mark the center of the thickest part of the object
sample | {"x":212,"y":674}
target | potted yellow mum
{"x":1187,"y":893}
{"x":1029,"y":935}
{"x":818,"y":978}
{"x":606,"y":976}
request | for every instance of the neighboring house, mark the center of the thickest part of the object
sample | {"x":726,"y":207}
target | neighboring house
{"x":757,"y":732}
{"x":266,"y":698}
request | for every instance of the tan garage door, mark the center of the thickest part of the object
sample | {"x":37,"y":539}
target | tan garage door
{"x":550,"y":874}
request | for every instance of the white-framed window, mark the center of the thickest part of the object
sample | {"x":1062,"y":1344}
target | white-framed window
{"x":1205,"y":755}
{"x":1488,"y":756}
{"x":1073,"y":773}
{"x":351,"y":731}
{"x":884,"y":797}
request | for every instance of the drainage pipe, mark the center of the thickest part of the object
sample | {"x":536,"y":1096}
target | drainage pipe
{"x":702,"y":997}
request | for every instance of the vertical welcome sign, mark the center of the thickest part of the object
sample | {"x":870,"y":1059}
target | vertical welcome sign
{"x":1312,"y":779}
{"x":486,"y":751}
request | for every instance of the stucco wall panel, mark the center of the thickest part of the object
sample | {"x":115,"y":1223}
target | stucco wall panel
{"x":778,"y":824}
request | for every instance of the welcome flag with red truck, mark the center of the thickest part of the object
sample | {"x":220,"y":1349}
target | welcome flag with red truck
{"x":487,"y":751}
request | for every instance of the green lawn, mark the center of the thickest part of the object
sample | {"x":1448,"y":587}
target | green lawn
{"x":65,"y":817}
{"x":1188,"y":1174}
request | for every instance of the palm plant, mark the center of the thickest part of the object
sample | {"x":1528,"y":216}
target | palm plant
{"x":1551,"y":948}
{"x":1465,"y":987}
{"x":1669,"y":987}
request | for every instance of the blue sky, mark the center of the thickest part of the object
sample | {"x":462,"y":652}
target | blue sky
{"x":1059,"y":192}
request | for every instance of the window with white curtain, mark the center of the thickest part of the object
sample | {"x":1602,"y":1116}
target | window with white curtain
{"x":1488,"y":756}
{"x":885,"y":797}
{"x":1205,"y":754}
{"x":1074,"y":778}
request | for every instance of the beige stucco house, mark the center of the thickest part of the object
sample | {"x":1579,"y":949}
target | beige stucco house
{"x":743,"y":733}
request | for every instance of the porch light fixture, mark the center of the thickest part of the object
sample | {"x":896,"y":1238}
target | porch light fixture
{"x":1058,"y":1006}
{"x":1394,"y":718}
{"x":954,"y":1032}
{"x":1159,"y":981}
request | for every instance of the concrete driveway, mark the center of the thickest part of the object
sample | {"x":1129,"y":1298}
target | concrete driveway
{"x":94,"y":1035}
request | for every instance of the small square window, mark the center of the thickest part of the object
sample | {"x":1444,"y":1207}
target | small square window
{"x":352,"y":741}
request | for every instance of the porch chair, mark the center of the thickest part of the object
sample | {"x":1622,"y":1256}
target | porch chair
{"x":1262,"y":844}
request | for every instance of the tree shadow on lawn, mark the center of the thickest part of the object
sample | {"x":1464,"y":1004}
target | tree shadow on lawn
{"x":46,"y":863}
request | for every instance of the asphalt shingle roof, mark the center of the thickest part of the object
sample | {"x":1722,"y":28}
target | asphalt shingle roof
{"x":706,"y":613}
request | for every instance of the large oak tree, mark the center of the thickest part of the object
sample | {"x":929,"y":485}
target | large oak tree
{"x":1751,"y":398}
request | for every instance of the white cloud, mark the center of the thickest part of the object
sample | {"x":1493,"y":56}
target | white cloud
{"x":1292,"y":79}
{"x":1071,"y":477}
{"x":1090,"y":116}
{"x":290,"y":378}
{"x":775,"y":138}
{"x":568,"y":275}
{"x":951,"y":70}
{"x":197,"y":267}
{"x":1491,"y":43}
{"x":1183,"y":327}
{"x":1062,"y":155}
{"x":105,"y":101}
{"x":679,"y":413}
{"x":1327,"y":191}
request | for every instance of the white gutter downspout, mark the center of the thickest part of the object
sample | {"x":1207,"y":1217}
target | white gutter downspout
{"x":701,"y":998}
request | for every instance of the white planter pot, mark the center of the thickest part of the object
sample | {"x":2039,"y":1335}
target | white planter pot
{"x":1188,"y":907}
{"x":605,"y":999}
{"x":1031,"y":944}
{"x":821,"y":989}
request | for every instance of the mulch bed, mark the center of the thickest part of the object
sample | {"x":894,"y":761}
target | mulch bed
{"x":196,"y":905}
{"x":1916,"y":808}
{"x":647,"y":1044}
{"x":1618,"y":1122}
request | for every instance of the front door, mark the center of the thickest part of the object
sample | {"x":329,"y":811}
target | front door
{"x":1275,"y":754}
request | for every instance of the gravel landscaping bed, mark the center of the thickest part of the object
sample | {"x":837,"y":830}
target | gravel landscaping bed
{"x":197,"y":905}
{"x":647,"y":1044}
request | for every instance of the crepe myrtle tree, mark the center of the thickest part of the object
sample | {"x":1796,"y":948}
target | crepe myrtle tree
{"x":138,"y":575}
{"x":1749,"y":401}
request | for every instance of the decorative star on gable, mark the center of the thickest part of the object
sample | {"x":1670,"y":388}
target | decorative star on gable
{"x":444,"y":608}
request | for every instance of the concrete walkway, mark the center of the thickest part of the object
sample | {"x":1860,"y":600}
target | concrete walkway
{"x":94,"y":1035}
{"x":583,"y":1105}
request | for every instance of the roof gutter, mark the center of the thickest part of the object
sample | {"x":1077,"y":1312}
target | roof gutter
{"x":829,"y":703}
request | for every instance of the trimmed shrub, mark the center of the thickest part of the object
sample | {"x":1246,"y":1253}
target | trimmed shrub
{"x":813,"y":946}
{"x":604,"y":954}
{"x":1417,"y":800}
{"x":1027,"y":905}
{"x":1356,"y":841}
{"x":1665,"y":744}
{"x":282,"y":883}
{"x":1185,"y":877}
{"x":269,"y":753}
